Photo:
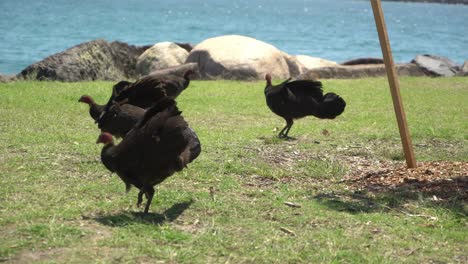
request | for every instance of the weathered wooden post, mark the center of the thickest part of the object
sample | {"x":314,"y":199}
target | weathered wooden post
{"x":394,"y":83}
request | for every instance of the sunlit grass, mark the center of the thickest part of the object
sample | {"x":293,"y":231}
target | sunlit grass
{"x":58,"y":203}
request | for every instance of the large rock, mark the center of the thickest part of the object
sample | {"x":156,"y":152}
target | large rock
{"x":125,"y":57}
{"x":295,"y":66}
{"x":360,"y":71}
{"x":94,"y":60}
{"x":361,"y":61}
{"x":464,"y":69}
{"x":241,"y":58}
{"x":161,"y":55}
{"x":314,"y":62}
{"x":178,"y":70}
{"x":7,"y":78}
{"x":186,"y":46}
{"x":436,"y":66}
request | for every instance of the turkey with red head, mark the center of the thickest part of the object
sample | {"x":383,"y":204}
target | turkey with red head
{"x":95,"y":110}
{"x":161,"y":144}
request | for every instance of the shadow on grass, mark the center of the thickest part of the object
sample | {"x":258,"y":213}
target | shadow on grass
{"x":124,"y":219}
{"x":449,"y":194}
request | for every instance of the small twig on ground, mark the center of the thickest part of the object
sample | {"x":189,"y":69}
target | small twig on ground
{"x":290,"y":204}
{"x":419,"y":215}
{"x":287,"y":231}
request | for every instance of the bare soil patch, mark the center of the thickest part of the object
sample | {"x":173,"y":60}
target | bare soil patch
{"x":440,"y":179}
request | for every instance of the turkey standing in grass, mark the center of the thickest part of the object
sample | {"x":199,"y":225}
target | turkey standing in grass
{"x":158,"y":146}
{"x":296,"y":99}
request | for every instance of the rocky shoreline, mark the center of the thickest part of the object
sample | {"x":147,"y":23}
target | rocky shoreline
{"x":225,"y":57}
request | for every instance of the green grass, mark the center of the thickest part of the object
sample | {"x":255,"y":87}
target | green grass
{"x":58,"y":204}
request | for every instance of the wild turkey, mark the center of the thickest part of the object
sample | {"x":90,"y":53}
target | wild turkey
{"x":147,"y":90}
{"x":95,"y":110}
{"x":120,"y":119}
{"x":296,"y":99}
{"x":159,"y":145}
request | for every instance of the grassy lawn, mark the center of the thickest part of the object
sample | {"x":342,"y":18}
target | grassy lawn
{"x":59,"y":204}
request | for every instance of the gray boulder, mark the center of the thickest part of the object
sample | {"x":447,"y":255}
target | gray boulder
{"x":178,"y":70}
{"x":361,"y":61}
{"x":186,"y":46}
{"x":295,"y":66}
{"x":94,"y":60}
{"x":241,"y":58}
{"x":314,"y":62}
{"x":7,"y":78}
{"x":436,"y":66}
{"x":161,"y":55}
{"x":360,"y":71}
{"x":463,"y":69}
{"x":125,"y":57}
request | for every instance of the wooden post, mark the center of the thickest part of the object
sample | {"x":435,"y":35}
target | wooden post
{"x":394,"y":83}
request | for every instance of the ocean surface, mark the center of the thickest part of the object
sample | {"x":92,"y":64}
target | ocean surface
{"x":338,"y":30}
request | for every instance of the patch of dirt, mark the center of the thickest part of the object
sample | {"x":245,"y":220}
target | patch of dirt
{"x":192,"y":227}
{"x":258,"y":181}
{"x":441,"y":179}
{"x":94,"y":231}
{"x":71,"y":255}
{"x":33,"y":256}
{"x":285,"y":155}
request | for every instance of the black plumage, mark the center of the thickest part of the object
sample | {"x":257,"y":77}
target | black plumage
{"x":145,"y":91}
{"x":161,"y":144}
{"x":148,"y":89}
{"x":120,"y":119}
{"x":296,"y":99}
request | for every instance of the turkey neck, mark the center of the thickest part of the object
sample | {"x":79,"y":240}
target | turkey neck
{"x":274,"y":89}
{"x":95,"y":110}
{"x":108,"y":158}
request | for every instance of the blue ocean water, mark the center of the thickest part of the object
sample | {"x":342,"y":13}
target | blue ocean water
{"x":336,"y":30}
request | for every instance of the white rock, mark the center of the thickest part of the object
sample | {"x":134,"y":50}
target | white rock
{"x":160,"y":56}
{"x":314,"y":62}
{"x":241,"y":58}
